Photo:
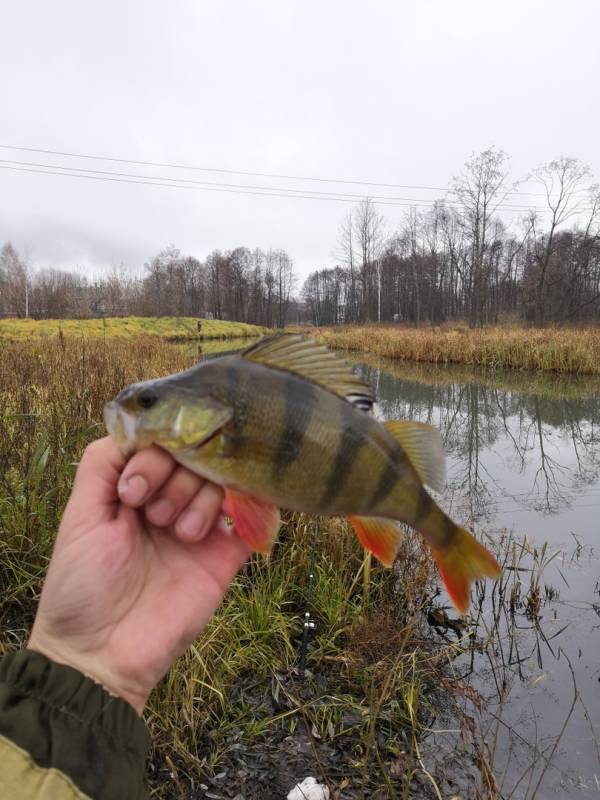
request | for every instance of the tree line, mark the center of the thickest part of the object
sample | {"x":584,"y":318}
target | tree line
{"x":459,"y":259}
{"x":241,"y":284}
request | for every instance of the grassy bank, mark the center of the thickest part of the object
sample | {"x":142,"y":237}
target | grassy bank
{"x":568,"y":351}
{"x":233,"y":704}
{"x":169,"y":328}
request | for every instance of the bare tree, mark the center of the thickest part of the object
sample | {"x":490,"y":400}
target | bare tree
{"x":346,"y":255}
{"x":285,"y":283}
{"x":563,"y":180}
{"x":370,"y":233}
{"x":14,"y":285}
{"x":479,"y":190}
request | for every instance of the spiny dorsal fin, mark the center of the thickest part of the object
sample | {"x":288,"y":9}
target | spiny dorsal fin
{"x":306,"y":357}
{"x":423,"y":446}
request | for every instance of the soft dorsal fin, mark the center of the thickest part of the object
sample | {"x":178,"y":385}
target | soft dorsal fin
{"x":423,"y":445}
{"x":306,"y":357}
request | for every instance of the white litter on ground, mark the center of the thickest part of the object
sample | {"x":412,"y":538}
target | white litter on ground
{"x":309,"y":789}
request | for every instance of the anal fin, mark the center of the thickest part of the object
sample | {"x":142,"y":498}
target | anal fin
{"x":379,"y":536}
{"x":256,"y":521}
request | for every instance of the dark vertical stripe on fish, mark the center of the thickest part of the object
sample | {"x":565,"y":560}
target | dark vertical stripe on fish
{"x":386,"y":483}
{"x":449,"y":529}
{"x":351,"y":440}
{"x":299,"y":407}
{"x":423,"y":506}
{"x":390,"y":474}
{"x":233,"y":398}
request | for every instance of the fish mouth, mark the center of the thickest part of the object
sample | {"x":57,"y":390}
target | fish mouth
{"x":122,"y":427}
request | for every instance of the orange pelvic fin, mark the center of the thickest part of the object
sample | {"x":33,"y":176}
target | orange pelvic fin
{"x":465,"y":561}
{"x":379,"y":536}
{"x":256,"y":521}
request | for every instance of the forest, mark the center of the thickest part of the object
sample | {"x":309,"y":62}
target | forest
{"x":458,"y":258}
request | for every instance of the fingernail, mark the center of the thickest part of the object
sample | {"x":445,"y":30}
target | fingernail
{"x":191,"y":524}
{"x":134,"y":489}
{"x":161,"y":511}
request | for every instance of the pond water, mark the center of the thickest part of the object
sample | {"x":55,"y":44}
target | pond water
{"x":523,"y":463}
{"x":523,"y":458}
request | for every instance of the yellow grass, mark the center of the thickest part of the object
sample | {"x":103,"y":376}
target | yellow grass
{"x":563,"y":350}
{"x":372,"y":656}
{"x":170,"y":328}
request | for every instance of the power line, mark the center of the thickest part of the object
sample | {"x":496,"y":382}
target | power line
{"x":152,"y":182}
{"x":242,"y":172}
{"x":289,"y":192}
{"x":197,"y":188}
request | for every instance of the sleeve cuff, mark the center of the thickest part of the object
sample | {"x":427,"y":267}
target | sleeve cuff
{"x":67,"y":721}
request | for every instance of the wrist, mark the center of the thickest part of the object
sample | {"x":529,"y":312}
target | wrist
{"x":91,"y":666}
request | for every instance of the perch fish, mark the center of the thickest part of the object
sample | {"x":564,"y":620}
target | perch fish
{"x":285,"y":423}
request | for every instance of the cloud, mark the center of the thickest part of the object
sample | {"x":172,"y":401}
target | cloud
{"x":390,"y":92}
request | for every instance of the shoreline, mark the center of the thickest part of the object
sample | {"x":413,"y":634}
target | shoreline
{"x":566,"y":351}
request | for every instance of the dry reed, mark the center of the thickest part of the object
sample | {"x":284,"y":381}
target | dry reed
{"x":374,"y":670}
{"x":563,"y":350}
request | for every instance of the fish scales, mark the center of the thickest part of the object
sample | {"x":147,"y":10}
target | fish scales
{"x":284,"y":424}
{"x":335,"y":458}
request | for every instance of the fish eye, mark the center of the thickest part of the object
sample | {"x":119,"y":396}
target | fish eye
{"x":146,"y":398}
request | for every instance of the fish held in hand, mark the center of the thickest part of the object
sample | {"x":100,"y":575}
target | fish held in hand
{"x":283,"y":424}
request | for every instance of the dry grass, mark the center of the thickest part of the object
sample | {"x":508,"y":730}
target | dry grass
{"x":562,"y":350}
{"x":375,"y":671}
{"x":169,"y":328}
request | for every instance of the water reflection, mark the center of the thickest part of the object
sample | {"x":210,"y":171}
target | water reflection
{"x":524,"y":457}
{"x":209,"y":348}
{"x":510,"y":447}
{"x":523,"y":454}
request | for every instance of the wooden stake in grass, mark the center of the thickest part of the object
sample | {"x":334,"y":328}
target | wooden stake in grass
{"x":366,"y":576}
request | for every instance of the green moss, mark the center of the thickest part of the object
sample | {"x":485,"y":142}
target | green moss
{"x":169,"y":328}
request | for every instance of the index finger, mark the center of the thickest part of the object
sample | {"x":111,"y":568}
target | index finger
{"x":145,"y":473}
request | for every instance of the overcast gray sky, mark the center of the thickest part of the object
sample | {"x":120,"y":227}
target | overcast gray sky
{"x":396,"y":92}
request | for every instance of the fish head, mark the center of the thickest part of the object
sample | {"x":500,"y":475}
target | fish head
{"x":164,"y":413}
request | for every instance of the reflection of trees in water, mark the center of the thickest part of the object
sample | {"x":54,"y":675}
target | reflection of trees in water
{"x":540,"y":431}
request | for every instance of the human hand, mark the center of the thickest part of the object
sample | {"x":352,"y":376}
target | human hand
{"x":141,"y":561}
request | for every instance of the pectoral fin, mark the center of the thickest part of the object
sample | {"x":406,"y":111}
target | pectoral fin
{"x":379,"y":536}
{"x":256,"y":521}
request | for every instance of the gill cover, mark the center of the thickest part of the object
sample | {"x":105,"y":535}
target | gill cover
{"x":180,"y":421}
{"x":163,"y":413}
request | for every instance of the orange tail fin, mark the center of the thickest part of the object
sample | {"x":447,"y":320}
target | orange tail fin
{"x":465,"y":561}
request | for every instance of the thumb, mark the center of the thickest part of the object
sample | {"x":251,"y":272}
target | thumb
{"x":94,"y":498}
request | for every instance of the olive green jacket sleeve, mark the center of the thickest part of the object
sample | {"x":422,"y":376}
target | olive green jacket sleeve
{"x":62,"y":736}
